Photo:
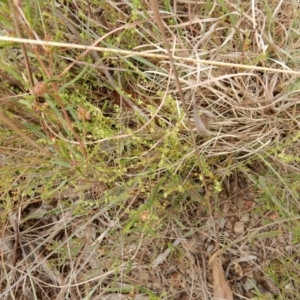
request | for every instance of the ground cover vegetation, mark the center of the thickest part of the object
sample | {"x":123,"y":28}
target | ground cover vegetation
{"x":149,"y":149}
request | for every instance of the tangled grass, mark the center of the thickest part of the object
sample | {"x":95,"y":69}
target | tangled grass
{"x":126,"y":167}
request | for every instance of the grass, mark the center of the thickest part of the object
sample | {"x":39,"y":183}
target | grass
{"x":126,"y":167}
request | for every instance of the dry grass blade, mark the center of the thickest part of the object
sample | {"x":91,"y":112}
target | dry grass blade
{"x":14,"y":6}
{"x":11,"y":124}
{"x":146,"y":54}
{"x":163,"y":256}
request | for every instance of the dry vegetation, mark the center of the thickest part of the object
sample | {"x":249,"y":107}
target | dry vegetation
{"x":162,"y":163}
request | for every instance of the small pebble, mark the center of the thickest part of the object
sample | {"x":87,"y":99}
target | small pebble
{"x":239,"y":227}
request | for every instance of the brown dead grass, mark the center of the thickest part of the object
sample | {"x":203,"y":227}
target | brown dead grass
{"x":102,"y":196}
